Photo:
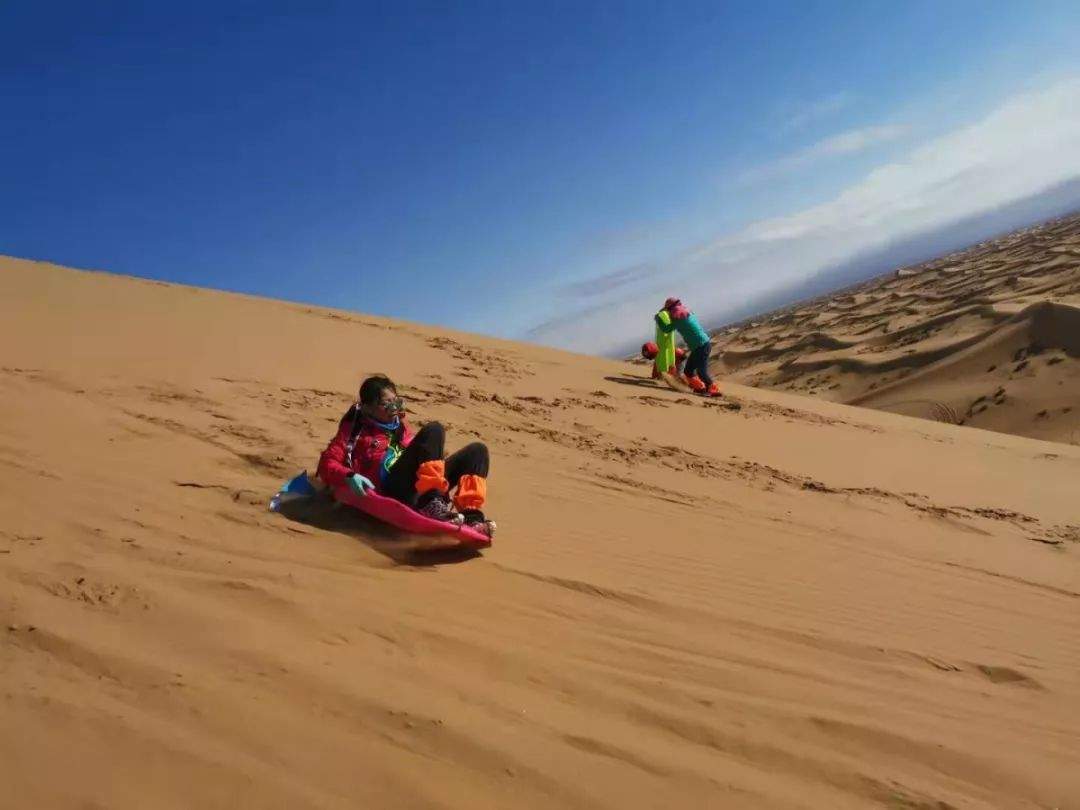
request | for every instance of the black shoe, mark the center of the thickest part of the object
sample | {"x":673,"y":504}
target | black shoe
{"x":437,"y":506}
{"x":475,"y":519}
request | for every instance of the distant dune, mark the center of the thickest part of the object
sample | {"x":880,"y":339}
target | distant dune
{"x":987,"y":337}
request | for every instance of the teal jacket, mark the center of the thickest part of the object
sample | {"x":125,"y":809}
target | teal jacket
{"x":692,"y":334}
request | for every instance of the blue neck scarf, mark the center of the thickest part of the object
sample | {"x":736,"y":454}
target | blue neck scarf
{"x":389,"y":427}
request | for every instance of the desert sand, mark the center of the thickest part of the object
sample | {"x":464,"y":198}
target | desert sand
{"x":761,"y":601}
{"x":987,"y":337}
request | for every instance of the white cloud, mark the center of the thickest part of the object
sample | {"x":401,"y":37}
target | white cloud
{"x":1027,"y":145}
{"x":856,"y":140}
{"x":805,"y":114}
{"x":843,"y":143}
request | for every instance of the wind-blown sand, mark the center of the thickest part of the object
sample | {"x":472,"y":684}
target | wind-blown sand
{"x":753,"y":602}
{"x":989,"y":337}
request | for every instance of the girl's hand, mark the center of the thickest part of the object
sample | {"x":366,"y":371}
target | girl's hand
{"x":359,"y":485}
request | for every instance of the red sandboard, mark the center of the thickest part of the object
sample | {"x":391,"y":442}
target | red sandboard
{"x":400,"y":516}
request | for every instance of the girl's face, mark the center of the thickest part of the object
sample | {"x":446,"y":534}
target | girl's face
{"x":389,"y":406}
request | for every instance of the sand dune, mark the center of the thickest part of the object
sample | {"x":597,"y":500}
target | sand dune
{"x":989,"y":337}
{"x":761,"y":601}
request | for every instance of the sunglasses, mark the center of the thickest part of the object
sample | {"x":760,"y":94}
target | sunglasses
{"x":394,"y":406}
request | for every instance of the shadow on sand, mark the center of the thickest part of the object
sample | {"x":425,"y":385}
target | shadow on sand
{"x":665,"y":383}
{"x":323,"y":512}
{"x":640,"y":382}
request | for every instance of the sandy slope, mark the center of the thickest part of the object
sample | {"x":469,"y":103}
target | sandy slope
{"x":763,"y":601}
{"x":989,"y":337}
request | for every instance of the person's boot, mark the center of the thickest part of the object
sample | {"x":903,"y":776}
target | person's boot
{"x":437,"y":506}
{"x":713,"y":391}
{"x":432,"y":487}
{"x":475,"y":519}
{"x":696,"y":384}
{"x":469,"y":499}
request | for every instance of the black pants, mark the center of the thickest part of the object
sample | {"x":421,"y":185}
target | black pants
{"x":697,"y":364}
{"x":429,"y":445}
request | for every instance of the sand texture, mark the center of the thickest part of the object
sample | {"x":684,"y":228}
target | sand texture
{"x":761,"y":601}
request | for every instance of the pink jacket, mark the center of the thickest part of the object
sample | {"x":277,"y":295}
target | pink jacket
{"x":359,"y":447}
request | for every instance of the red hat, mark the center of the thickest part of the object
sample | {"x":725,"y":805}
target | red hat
{"x":671,"y":302}
{"x":649,"y":350}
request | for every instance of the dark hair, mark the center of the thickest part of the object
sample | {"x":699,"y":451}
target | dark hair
{"x":371,"y":389}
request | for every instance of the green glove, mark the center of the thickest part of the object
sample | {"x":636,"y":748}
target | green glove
{"x":359,"y":485}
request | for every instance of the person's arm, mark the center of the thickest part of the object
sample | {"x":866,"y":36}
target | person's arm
{"x":332,"y":467}
{"x":663,"y":322}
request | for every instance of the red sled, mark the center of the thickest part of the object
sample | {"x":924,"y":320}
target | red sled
{"x":400,"y":516}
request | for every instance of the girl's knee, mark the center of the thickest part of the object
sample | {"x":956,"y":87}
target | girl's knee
{"x":432,"y":438}
{"x":433,"y":435}
{"x":477,"y":450}
{"x":476,"y":458}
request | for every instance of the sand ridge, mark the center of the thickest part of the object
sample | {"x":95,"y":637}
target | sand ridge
{"x":759,"y":601}
{"x":988,"y":337}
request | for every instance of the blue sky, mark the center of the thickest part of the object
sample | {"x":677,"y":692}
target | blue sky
{"x":547,"y":171}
